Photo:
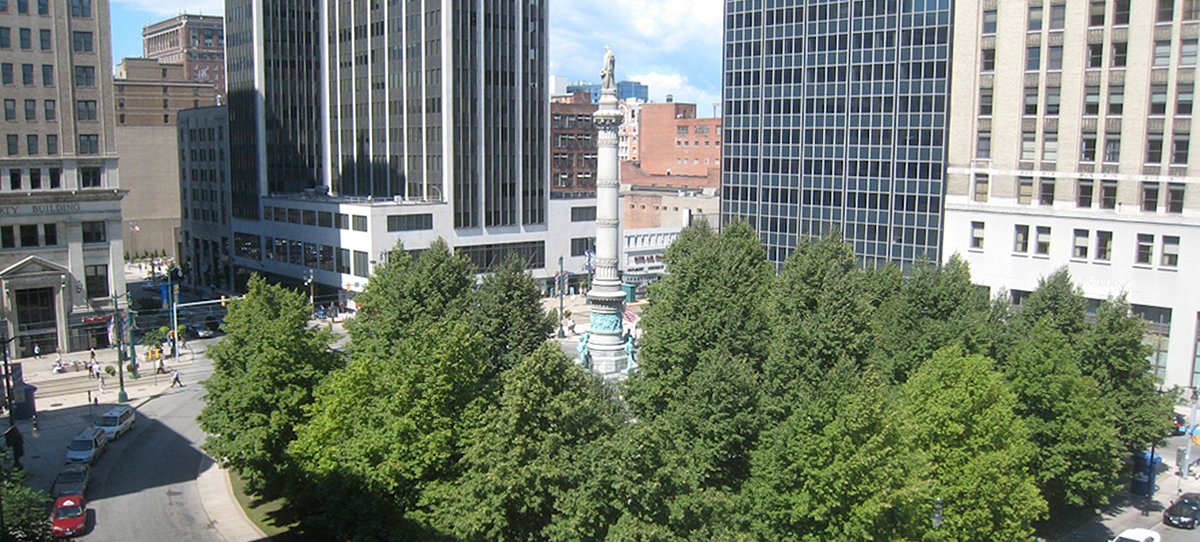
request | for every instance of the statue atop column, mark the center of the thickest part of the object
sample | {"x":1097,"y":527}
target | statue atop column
{"x":607,"y":74}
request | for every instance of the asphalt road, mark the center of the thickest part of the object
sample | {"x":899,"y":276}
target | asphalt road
{"x":144,"y":486}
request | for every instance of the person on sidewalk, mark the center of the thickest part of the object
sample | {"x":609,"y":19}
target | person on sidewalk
{"x":101,"y":385}
{"x":37,"y":350}
{"x":175,"y":378}
{"x":159,"y":367}
{"x":92,"y":357}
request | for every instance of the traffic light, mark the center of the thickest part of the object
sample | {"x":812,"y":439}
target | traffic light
{"x":223,"y":301}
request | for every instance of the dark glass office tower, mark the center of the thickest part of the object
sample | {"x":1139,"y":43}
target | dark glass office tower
{"x":273,"y":75}
{"x":439,"y":100}
{"x":835,"y":117}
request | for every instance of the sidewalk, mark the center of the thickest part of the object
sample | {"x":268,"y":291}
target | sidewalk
{"x":68,"y":408}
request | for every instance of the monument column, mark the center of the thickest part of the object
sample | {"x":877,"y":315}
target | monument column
{"x":606,"y":342}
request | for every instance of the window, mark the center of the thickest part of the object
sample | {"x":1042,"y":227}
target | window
{"x":96,"y":280}
{"x":1158,"y":99}
{"x":50,"y":234}
{"x":1096,"y":13}
{"x":580,"y":246}
{"x":31,"y":143}
{"x":583,"y":214}
{"x":359,"y":223}
{"x":29,"y":235}
{"x":8,"y":238}
{"x":1054,"y":57}
{"x":1121,"y":12}
{"x":981,"y":187}
{"x":1179,"y":154}
{"x":82,"y":42}
{"x":89,"y":177}
{"x":1091,"y":101}
{"x":52,"y":146}
{"x":1095,"y":58}
{"x":1046,"y":192}
{"x":81,"y":8}
{"x":14,"y":179}
{"x":85,"y":110}
{"x":22,"y":6}
{"x":6,"y":73}
{"x":362,"y":266}
{"x":1084,"y":193}
{"x":5,"y":37}
{"x":1120,"y":55}
{"x":94,"y":232}
{"x":1024,"y":190}
{"x":977,"y":235}
{"x":989,"y":21}
{"x":89,"y":144}
{"x":44,"y":39}
{"x":1088,"y":148}
{"x":1035,"y":18}
{"x":1108,"y":194}
{"x":1116,"y":102}
{"x":1028,"y":147}
{"x":1154,"y":149}
{"x":1184,"y":96}
{"x":1058,"y":17}
{"x":47,"y":75}
{"x":1104,"y":245}
{"x":1033,"y":58}
{"x":1050,"y":147}
{"x":1175,"y":193}
{"x":1191,"y":10}
{"x":988,"y":60}
{"x":1170,"y":251}
{"x":13,"y":144}
{"x":1043,"y":240}
{"x":409,"y":222}
{"x":10,"y":109}
{"x":985,"y":102}
{"x":26,"y":38}
{"x":1187,"y":52}
{"x":1031,"y":101}
{"x":35,"y":179}
{"x":1080,"y":250}
{"x":1150,"y":197}
{"x":50,"y":112}
{"x":1162,"y":53}
{"x":1021,"y":239}
{"x":984,"y":149}
{"x":1145,"y":248}
{"x":43,"y":7}
{"x":85,"y":76}
{"x":27,"y":74}
{"x":1112,"y":148}
{"x":1166,"y":11}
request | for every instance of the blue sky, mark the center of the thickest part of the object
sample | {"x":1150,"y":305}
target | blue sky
{"x":674,"y":46}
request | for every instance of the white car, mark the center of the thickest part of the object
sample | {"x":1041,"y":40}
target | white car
{"x":1138,"y":535}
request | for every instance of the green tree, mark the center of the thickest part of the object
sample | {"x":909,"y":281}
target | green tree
{"x":963,"y":418}
{"x":407,"y":291}
{"x":1057,"y":302}
{"x":508,"y":309}
{"x":1115,"y":353}
{"x":712,"y":299}
{"x":840,"y":467}
{"x":384,"y":427}
{"x":1069,"y":420}
{"x":264,"y":373}
{"x":518,"y":460}
{"x":24,"y":510}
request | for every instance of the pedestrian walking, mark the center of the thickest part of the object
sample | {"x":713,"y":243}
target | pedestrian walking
{"x":92,"y":356}
{"x":160,"y":368}
{"x":101,"y":385}
{"x":37,"y":350}
{"x":175,"y":378}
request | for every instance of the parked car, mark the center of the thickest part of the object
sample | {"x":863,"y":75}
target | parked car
{"x":1184,"y":512}
{"x":198,"y":331}
{"x":69,"y":517}
{"x":71,"y":480}
{"x":1138,"y":535}
{"x":117,"y":421}
{"x":88,"y":446}
{"x":1180,"y":424}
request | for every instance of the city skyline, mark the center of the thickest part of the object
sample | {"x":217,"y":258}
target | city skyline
{"x":672,"y":46}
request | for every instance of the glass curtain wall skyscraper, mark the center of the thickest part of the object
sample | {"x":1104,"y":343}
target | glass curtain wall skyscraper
{"x":835,"y":116}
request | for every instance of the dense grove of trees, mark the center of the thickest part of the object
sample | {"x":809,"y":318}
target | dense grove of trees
{"x":822,"y":402}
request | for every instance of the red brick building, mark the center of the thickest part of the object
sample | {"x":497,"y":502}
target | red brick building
{"x":572,"y":146}
{"x":674,"y":142}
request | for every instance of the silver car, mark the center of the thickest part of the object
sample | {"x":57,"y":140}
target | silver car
{"x":71,"y":480}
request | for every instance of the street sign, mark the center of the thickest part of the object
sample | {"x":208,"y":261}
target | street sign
{"x":18,"y":383}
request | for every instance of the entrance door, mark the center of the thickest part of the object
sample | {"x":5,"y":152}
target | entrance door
{"x":36,"y":321}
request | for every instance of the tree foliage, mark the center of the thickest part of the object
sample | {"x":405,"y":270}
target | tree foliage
{"x":264,"y":374}
{"x":507,"y":308}
{"x":25,"y":510}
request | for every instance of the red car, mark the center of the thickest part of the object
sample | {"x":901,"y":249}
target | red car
{"x":69,"y":517}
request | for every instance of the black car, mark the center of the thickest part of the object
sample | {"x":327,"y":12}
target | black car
{"x":72,"y":480}
{"x":1184,"y":512}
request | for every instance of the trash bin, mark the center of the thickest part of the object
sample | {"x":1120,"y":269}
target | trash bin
{"x":28,"y":408}
{"x":1144,"y":470}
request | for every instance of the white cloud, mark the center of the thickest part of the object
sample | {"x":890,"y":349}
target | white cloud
{"x":677,"y":86}
{"x":170,"y":8}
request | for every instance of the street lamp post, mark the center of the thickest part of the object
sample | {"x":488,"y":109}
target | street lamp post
{"x":559,"y":283}
{"x":122,"y":396}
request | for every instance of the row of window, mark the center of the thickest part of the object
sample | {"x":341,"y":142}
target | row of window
{"x":81,"y":42}
{"x":1184,"y":101}
{"x":1152,"y":197}
{"x":43,"y":6}
{"x":46,"y":235}
{"x":309,"y":217}
{"x":33,"y":147}
{"x":1089,"y":148}
{"x":1097,"y":14}
{"x":1082,"y":247}
{"x":8,"y":75}
{"x":314,"y":256}
{"x":49,"y":110}
{"x":53,"y":178}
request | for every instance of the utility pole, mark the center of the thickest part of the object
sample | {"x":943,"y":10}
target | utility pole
{"x":560,"y":284}
{"x":308,"y":281}
{"x":122,"y":396}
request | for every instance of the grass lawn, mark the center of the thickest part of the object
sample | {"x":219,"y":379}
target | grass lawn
{"x":266,"y":515}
